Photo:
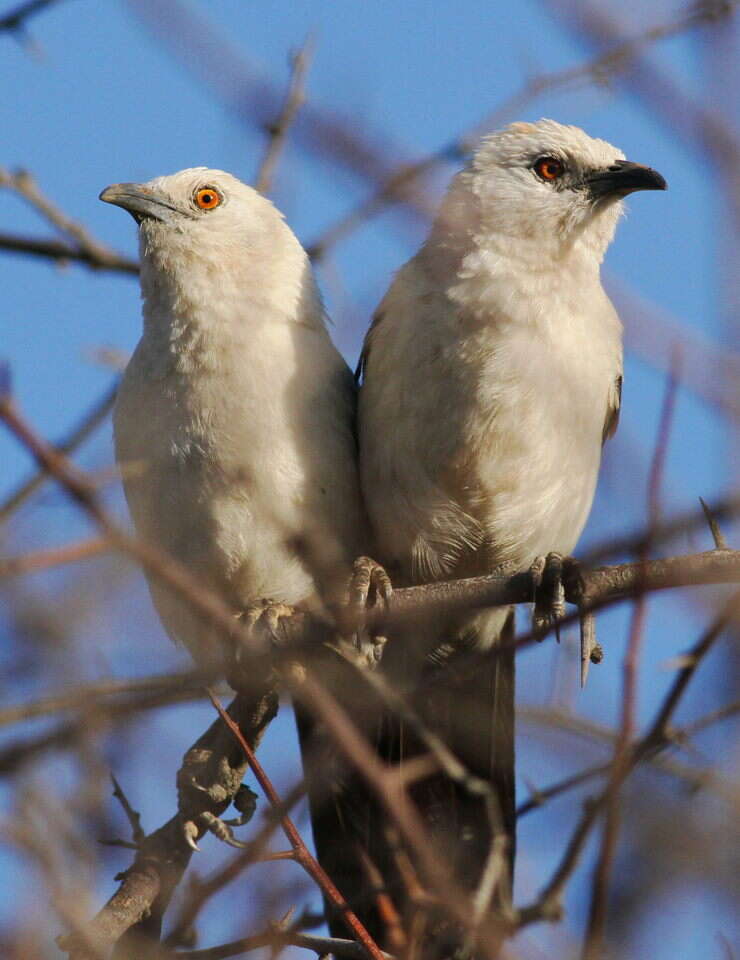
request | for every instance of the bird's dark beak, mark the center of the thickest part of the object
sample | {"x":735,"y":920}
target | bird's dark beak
{"x":622,"y":178}
{"x":141,"y":201}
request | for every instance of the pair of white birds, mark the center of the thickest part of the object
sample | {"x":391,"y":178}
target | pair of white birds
{"x":492,"y":375}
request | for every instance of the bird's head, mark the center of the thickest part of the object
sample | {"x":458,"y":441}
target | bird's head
{"x":550,"y":187}
{"x":201,"y":230}
{"x":208,"y":211}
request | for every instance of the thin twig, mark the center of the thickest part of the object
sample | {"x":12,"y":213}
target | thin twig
{"x":23,"y":183}
{"x":300,"y":61}
{"x":593,"y":947}
{"x":133,"y":816}
{"x":16,"y":18}
{"x":321,"y":946}
{"x":301,"y":851}
{"x":599,"y":70}
{"x":94,"y":417}
{"x":548,"y":904}
{"x":57,"y":556}
{"x":64,"y":252}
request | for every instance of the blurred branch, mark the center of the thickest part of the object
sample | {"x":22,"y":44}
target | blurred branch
{"x":300,"y":850}
{"x":58,"y":556}
{"x":300,"y":61}
{"x":107,"y":696}
{"x":593,"y":947}
{"x":548,"y":904}
{"x":700,"y":127}
{"x":86,"y":248}
{"x":208,"y":780}
{"x":599,"y":70}
{"x":64,"y":252}
{"x":711,"y":370}
{"x":195,"y":42}
{"x":17,"y":17}
{"x":695,"y":779}
{"x":321,"y":946}
{"x":90,"y":422}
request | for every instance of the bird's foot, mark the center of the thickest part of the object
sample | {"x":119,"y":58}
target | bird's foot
{"x":549,"y":594}
{"x":245,"y":803}
{"x":554,"y":577}
{"x":590,"y":650}
{"x":369,"y":586}
{"x":263,"y":619}
{"x":261,"y":622}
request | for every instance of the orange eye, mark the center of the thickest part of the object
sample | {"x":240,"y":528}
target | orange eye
{"x":207,"y":198}
{"x":549,"y":168}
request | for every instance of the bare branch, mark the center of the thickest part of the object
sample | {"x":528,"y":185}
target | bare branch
{"x":548,"y":905}
{"x":57,"y":556}
{"x":16,"y":18}
{"x":300,"y":850}
{"x":84,"y":246}
{"x":133,"y":816}
{"x":79,"y":433}
{"x":64,"y":252}
{"x":599,"y":70}
{"x":321,"y":946}
{"x":208,"y":780}
{"x":593,"y":947}
{"x":300,"y":61}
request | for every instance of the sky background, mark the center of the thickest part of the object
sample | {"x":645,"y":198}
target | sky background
{"x":102,"y":92}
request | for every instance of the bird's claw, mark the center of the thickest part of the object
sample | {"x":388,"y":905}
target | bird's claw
{"x":549,"y":593}
{"x":190,"y":833}
{"x":369,"y":586}
{"x":553,"y":578}
{"x":264,"y":617}
{"x":263,"y":632}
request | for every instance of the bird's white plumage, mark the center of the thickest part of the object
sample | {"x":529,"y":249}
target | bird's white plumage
{"x":491,"y":366}
{"x":234,"y":418}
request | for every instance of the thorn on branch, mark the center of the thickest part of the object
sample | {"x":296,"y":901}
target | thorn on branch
{"x":719,"y":540}
{"x":133,"y":816}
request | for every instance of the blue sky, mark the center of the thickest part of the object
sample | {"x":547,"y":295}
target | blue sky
{"x":100,"y":98}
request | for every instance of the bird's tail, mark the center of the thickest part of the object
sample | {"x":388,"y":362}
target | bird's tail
{"x":464,"y":695}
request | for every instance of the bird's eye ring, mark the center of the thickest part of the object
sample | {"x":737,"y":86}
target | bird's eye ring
{"x":207,"y":198}
{"x":549,"y":168}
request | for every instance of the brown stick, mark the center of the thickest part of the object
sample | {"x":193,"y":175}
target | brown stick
{"x":300,"y":850}
{"x":278,"y":131}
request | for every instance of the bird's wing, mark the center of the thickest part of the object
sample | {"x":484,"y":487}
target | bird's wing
{"x":613,"y":405}
{"x":365,"y":353}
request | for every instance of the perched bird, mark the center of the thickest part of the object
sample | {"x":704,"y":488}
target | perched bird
{"x":234,"y":423}
{"x":492,"y":376}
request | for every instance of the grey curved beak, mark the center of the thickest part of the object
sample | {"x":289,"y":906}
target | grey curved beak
{"x":140,"y":201}
{"x":623,"y":177}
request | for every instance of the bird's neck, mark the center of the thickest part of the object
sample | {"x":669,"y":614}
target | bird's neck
{"x":197,"y":316}
{"x":494,"y":275}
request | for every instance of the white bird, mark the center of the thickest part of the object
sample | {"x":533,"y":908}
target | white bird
{"x":235,"y":416}
{"x":492,"y":376}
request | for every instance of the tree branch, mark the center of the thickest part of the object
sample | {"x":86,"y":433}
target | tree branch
{"x":300,"y":61}
{"x":210,"y":775}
